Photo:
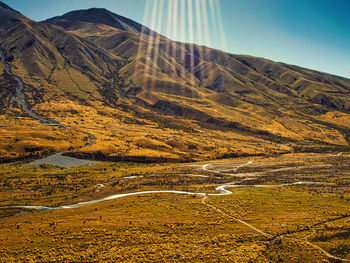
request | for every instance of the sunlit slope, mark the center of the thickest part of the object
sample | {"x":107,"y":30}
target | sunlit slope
{"x":161,"y":72}
{"x":213,"y":69}
{"x":143,"y":95}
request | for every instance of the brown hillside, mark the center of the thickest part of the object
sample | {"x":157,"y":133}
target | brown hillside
{"x":145,"y":95}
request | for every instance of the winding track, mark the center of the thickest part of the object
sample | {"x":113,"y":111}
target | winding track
{"x":325,"y":252}
{"x":305,"y":240}
{"x":235,"y":218}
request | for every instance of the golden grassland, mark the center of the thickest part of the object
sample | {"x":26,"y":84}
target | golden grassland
{"x":128,"y":131}
{"x":336,"y":118}
{"x":175,"y":228}
{"x":119,"y":133}
{"x":53,"y":186}
{"x":23,"y":137}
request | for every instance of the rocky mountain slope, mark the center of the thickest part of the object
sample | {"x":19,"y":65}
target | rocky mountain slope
{"x":143,"y":95}
{"x":76,"y":19}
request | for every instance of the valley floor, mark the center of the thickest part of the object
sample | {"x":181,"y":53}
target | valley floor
{"x":291,"y":208}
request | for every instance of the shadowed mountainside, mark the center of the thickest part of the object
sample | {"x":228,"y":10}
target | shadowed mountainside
{"x":143,"y":95}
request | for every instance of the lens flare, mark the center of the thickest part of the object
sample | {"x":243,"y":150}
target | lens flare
{"x":194,"y":23}
{"x":150,"y":41}
{"x":138,"y":63}
{"x":191,"y":58}
{"x":155,"y":63}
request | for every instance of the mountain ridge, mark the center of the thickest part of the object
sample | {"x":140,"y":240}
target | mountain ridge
{"x":5,"y":6}
{"x":99,"y":16}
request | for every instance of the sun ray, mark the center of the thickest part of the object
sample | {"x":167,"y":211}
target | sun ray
{"x":150,"y":42}
{"x":174,"y":33}
{"x":191,"y":38}
{"x":199,"y":21}
{"x":140,"y":50}
{"x":155,"y":63}
{"x":170,"y":15}
{"x":204,"y":17}
{"x":183,"y":20}
{"x":199,"y":33}
{"x":175,"y":21}
{"x":221,"y":25}
{"x":213,"y":15}
{"x":206,"y":32}
{"x":220,"y":28}
{"x":182,"y":37}
{"x":188,"y":22}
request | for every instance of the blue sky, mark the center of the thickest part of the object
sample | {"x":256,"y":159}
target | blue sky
{"x":310,"y":33}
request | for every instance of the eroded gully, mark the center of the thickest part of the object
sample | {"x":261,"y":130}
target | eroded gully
{"x":57,"y":159}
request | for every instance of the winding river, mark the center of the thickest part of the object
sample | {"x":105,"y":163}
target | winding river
{"x":221,"y":191}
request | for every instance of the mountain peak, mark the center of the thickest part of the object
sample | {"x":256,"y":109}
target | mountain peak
{"x":5,"y":6}
{"x":8,"y":15}
{"x":98,"y":16}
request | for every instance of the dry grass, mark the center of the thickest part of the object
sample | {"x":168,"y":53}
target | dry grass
{"x":168,"y":227}
{"x":23,"y":137}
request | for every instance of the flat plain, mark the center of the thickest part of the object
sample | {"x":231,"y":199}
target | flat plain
{"x":288,"y":208}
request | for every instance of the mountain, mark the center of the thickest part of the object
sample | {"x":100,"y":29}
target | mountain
{"x":76,"y":19}
{"x":55,"y":59}
{"x":318,"y":87}
{"x":147,"y":98}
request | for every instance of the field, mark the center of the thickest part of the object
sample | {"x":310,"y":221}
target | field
{"x":258,"y":214}
{"x":24,"y":138}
